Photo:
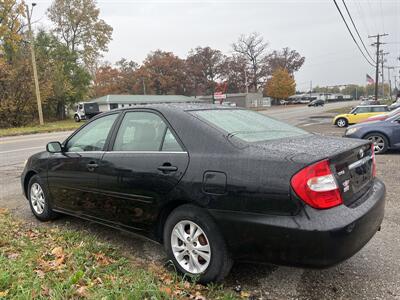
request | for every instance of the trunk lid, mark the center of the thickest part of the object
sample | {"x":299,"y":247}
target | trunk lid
{"x":350,"y":159}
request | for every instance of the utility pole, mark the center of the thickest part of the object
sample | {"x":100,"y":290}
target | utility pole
{"x":35,"y":76}
{"x":377,"y":44}
{"x":390,"y":82}
{"x":383,"y":73}
{"x":310,"y":89}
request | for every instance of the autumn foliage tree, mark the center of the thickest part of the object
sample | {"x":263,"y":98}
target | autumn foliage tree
{"x":281,"y":85}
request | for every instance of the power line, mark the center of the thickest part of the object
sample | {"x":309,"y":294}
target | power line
{"x":352,"y":36}
{"x":355,"y":27}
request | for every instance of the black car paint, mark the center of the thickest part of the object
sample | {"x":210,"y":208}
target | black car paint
{"x":244,"y":186}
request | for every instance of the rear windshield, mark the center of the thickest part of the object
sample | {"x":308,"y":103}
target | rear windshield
{"x":247,"y":125}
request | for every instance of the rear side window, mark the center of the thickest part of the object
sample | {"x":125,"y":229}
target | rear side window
{"x":144,"y":131}
{"x":379,"y":109}
{"x":247,"y":125}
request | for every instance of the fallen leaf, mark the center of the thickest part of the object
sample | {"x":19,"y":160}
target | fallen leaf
{"x":3,"y":211}
{"x":244,"y":294}
{"x":102,"y":259}
{"x":13,"y":256}
{"x":3,"y":293}
{"x":57,"y":251}
{"x":166,"y":290}
{"x":82,"y":291}
{"x":40,"y":273}
{"x":45,"y":291}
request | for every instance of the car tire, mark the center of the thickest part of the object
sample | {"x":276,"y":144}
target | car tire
{"x":76,"y":118}
{"x":39,"y":200}
{"x":380,"y":141}
{"x":342,"y":122}
{"x":205,"y":257}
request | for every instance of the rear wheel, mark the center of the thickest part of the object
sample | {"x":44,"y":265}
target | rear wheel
{"x":194,"y":244}
{"x":380,"y":142}
{"x":39,"y":200}
{"x":341,"y":122}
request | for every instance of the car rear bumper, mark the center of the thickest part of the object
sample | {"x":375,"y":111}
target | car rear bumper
{"x":313,"y":238}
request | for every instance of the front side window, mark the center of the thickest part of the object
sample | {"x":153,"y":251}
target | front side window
{"x":144,"y":131}
{"x":93,"y":136}
{"x":247,"y":125}
{"x":361,"y":110}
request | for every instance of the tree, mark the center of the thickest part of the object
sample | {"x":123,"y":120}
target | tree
{"x":163,"y":73}
{"x":287,"y":59}
{"x":204,"y":68}
{"x":233,"y":72}
{"x":107,"y":81}
{"x":68,"y":79}
{"x":11,"y":25}
{"x":281,"y":85}
{"x":253,"y":49}
{"x":77,"y":24}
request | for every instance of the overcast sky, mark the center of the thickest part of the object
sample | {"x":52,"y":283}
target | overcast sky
{"x":313,"y":28}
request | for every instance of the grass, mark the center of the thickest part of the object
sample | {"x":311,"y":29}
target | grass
{"x":48,"y":262}
{"x":64,"y":125}
{"x":341,"y":110}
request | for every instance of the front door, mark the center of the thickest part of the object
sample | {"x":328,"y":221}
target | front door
{"x":144,"y":164}
{"x":72,"y":174}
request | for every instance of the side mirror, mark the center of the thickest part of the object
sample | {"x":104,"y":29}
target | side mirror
{"x":54,"y":147}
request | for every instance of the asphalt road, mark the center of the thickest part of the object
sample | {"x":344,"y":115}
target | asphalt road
{"x":373,"y":273}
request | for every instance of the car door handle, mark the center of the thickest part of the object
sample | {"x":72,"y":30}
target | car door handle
{"x":167,"y":168}
{"x":91,"y":166}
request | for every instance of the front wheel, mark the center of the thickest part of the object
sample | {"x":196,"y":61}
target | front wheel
{"x":380,"y":142}
{"x":76,"y":118}
{"x":39,"y":200}
{"x":195,"y":245}
{"x":341,"y":122}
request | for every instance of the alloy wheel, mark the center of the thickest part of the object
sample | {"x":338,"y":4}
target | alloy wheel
{"x":191,"y":247}
{"x":341,"y":123}
{"x":37,"y":198}
{"x":379,"y":143}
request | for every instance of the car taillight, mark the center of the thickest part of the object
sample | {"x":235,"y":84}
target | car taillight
{"x":373,"y":160}
{"x":317,"y":186}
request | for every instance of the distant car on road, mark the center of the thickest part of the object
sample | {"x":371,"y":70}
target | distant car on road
{"x":358,"y":114}
{"x":383,"y":116}
{"x":318,"y":102}
{"x":213,"y":184}
{"x":370,"y":102}
{"x":384,"y":134}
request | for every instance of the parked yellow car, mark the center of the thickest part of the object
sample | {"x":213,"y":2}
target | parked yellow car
{"x":359,"y":114}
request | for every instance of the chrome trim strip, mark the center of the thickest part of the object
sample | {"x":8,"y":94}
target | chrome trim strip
{"x":360,"y":162}
{"x":148,"y":152}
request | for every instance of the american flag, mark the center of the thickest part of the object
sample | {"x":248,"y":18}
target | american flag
{"x":370,"y":80}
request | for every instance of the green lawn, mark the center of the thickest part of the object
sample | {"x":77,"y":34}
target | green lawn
{"x":48,"y":262}
{"x":342,"y":110}
{"x":47,"y":127}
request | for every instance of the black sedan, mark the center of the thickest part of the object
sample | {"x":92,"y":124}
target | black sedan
{"x":214,"y":184}
{"x":383,"y":134}
{"x":318,"y":102}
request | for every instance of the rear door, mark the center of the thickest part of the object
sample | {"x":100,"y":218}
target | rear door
{"x":144,"y":163}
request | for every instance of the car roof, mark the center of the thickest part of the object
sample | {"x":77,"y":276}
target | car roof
{"x":381,"y":105}
{"x":179,"y":107}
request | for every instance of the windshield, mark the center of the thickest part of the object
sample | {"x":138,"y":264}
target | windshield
{"x":247,"y":125}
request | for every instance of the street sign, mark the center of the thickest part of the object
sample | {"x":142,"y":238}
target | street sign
{"x":219,"y":96}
